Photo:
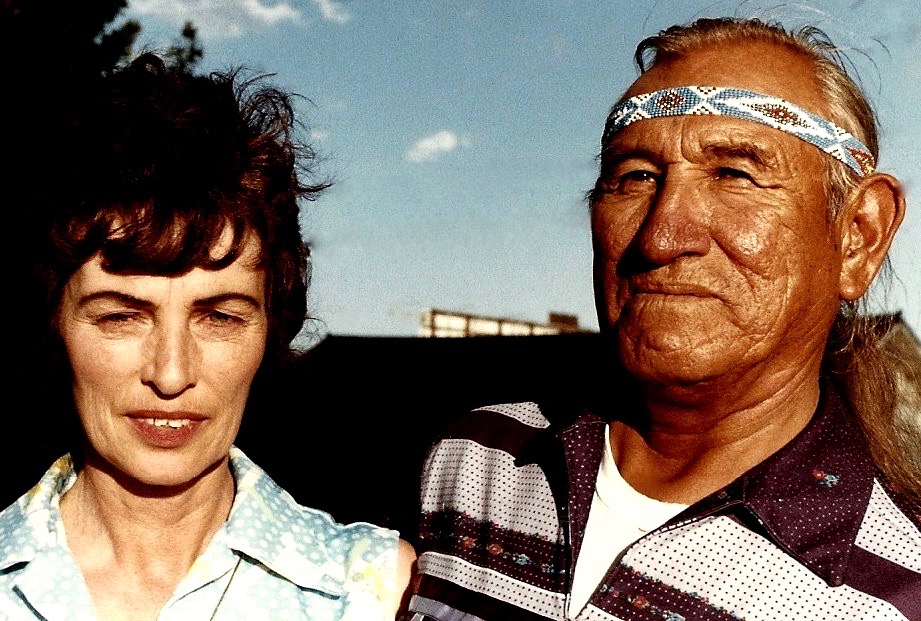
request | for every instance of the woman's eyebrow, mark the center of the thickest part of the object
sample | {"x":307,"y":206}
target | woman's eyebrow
{"x":214,"y":300}
{"x":114,"y":296}
{"x":140,"y":303}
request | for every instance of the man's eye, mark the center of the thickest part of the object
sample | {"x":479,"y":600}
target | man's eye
{"x":638,"y":175}
{"x":732,"y":173}
{"x":636,"y":181}
{"x":619,"y":183}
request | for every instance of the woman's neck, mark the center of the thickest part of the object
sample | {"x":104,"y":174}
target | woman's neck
{"x":152,"y":530}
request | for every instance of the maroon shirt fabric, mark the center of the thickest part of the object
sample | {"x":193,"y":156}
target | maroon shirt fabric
{"x":813,"y":532}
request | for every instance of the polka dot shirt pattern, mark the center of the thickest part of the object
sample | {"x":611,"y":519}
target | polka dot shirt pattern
{"x":295,"y":563}
{"x":813,"y":533}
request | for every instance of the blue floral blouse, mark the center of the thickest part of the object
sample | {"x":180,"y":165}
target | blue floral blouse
{"x":294,"y":562}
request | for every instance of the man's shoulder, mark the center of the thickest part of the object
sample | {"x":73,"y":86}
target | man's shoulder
{"x":524,"y":414}
{"x":490,"y":513}
{"x":891,"y":524}
{"x":504,"y":427}
{"x":524,"y":431}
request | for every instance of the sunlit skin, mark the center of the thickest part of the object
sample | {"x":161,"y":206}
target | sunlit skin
{"x":711,"y":235}
{"x":718,"y":270}
{"x":142,"y":348}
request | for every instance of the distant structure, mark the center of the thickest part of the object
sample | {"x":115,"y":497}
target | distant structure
{"x":441,"y":323}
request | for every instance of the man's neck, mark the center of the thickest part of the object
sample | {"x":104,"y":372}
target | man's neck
{"x":691,"y":446}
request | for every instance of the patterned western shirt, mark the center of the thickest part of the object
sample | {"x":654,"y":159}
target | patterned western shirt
{"x":811,"y":533}
{"x":272,"y":559}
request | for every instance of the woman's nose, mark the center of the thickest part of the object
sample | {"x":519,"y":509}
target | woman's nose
{"x":171,"y":365}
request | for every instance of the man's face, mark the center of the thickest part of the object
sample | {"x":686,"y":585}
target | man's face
{"x":714,"y":257}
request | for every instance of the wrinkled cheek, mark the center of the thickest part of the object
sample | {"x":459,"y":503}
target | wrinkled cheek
{"x":99,"y":381}
{"x":236,"y":370}
{"x":91,"y":374}
{"x":94,"y":404}
{"x":750,"y":244}
{"x":608,"y":247}
{"x":610,"y":295}
{"x":754,"y":246}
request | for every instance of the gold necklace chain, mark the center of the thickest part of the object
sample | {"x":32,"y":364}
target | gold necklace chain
{"x":226,"y":588}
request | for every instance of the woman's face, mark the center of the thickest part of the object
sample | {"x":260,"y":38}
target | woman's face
{"x":162,"y":365}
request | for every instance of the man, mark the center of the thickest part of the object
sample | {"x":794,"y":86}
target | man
{"x":743,"y":465}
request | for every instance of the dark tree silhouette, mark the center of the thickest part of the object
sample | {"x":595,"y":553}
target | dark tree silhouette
{"x":187,"y":55}
{"x":52,"y":52}
{"x":52,"y":55}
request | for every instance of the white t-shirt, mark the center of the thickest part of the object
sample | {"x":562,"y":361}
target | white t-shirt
{"x":619,"y":516}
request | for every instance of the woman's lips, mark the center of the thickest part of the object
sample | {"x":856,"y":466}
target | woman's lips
{"x":175,"y":423}
{"x":166,"y":429}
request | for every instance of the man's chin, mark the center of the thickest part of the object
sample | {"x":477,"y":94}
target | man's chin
{"x":668,"y":357}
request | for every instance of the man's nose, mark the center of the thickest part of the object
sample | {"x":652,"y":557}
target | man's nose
{"x":171,"y":365}
{"x":676,"y":224}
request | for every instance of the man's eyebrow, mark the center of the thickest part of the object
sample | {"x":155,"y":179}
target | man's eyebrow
{"x":614,"y":154}
{"x":748,"y":151}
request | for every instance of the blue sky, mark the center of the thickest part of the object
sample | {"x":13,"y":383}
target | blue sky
{"x":461,"y":136}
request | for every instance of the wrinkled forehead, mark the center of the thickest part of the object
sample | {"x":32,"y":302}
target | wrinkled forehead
{"x":757,"y":80}
{"x":749,"y":105}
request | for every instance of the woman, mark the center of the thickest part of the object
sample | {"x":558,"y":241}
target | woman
{"x":175,"y":272}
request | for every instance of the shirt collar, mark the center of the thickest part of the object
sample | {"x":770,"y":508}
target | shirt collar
{"x":812,"y":494}
{"x":289,"y":539}
{"x":33,"y":520}
{"x":809,"y":497}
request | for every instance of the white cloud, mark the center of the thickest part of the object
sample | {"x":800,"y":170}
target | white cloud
{"x":333,"y":11}
{"x":433,"y":146}
{"x":160,"y":8}
{"x":271,"y":15}
{"x":219,"y":19}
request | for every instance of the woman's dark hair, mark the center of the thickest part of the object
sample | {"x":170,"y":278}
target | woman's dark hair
{"x":168,"y":163}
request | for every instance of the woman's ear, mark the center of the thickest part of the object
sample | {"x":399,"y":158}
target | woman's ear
{"x":867,"y":224}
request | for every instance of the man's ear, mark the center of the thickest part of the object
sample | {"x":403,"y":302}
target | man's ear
{"x":867,"y":225}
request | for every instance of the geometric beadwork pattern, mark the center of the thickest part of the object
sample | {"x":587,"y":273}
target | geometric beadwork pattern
{"x":744,"y":104}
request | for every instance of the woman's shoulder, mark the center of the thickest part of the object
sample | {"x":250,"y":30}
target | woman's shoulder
{"x":372,"y":562}
{"x":264,"y":506}
{"x":30,"y":522}
{"x":307,"y":546}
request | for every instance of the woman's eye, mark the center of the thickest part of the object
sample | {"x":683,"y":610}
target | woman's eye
{"x":120,"y":323}
{"x":116,"y":318}
{"x":219,"y":318}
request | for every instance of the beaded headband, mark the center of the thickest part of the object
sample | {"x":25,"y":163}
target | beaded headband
{"x":743,"y":104}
